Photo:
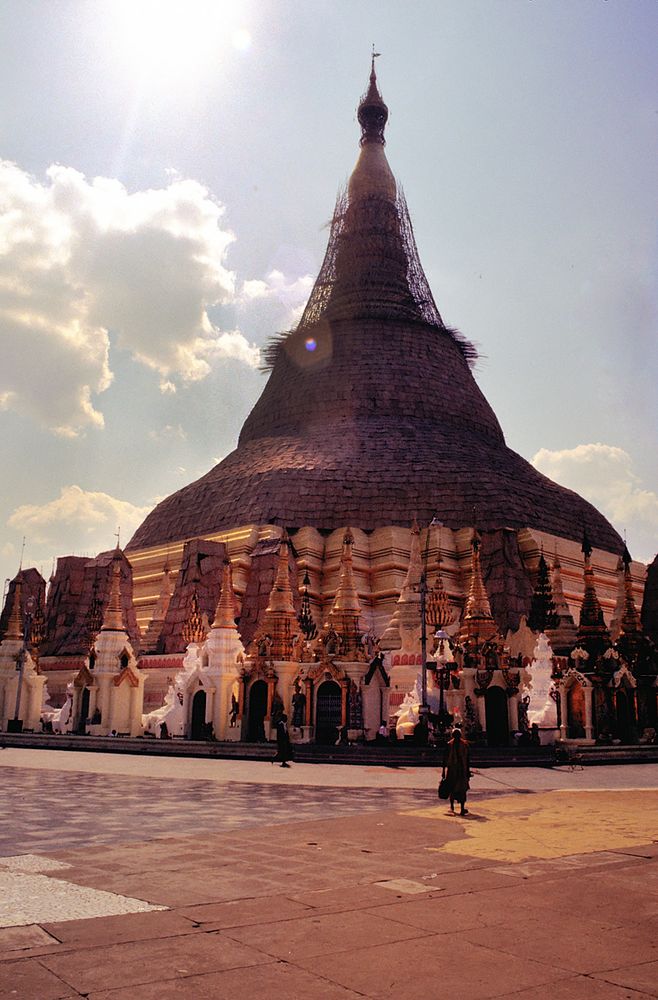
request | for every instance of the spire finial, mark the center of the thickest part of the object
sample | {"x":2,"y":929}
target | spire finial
{"x":113,"y":617}
{"x":375,"y":55}
{"x":372,"y":112}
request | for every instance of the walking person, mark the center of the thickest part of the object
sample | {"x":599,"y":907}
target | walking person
{"x":283,"y":746}
{"x":456,"y":768}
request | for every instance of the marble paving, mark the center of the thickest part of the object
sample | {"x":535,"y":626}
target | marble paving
{"x":53,"y":810}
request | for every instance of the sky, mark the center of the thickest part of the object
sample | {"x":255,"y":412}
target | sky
{"x":168,"y":170}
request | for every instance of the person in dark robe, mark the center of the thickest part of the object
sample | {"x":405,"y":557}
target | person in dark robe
{"x":456,"y":768}
{"x":283,"y":746}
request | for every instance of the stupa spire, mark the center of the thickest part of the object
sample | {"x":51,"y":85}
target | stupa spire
{"x":279,"y":618}
{"x":478,"y":624}
{"x":225,"y":611}
{"x":281,"y":601}
{"x":113,"y":616}
{"x":194,"y":630}
{"x":592,"y":631}
{"x":347,"y":599}
{"x":372,"y":112}
{"x":15,"y":624}
{"x":630,"y":635}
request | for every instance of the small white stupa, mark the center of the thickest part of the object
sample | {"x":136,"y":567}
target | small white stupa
{"x":542,"y":709}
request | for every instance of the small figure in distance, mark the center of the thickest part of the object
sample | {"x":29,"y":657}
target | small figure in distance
{"x":456,"y":767}
{"x":283,"y":747}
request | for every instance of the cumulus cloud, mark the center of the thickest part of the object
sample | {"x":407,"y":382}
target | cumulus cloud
{"x":604,"y":475}
{"x":291,"y":293}
{"x":169,"y":432}
{"x":77,"y":520}
{"x":80,"y":260}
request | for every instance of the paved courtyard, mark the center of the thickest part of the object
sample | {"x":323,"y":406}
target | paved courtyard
{"x":127,"y":878}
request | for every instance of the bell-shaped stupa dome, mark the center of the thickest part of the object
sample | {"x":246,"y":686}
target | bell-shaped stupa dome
{"x":371,"y":414}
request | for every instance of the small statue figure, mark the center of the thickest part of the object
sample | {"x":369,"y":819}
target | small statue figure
{"x":355,"y":707}
{"x":298,"y":707}
{"x":524,"y":704}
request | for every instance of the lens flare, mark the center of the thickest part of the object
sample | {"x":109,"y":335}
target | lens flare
{"x":310,"y":344}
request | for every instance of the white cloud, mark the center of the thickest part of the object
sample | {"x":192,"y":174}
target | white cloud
{"x":277,"y":286}
{"x":82,"y":259}
{"x":77,"y":520}
{"x":169,"y":432}
{"x":604,"y":475}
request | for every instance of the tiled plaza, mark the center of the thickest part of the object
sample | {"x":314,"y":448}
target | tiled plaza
{"x":194,"y":882}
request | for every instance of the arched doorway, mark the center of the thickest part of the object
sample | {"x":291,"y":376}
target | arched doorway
{"x":81,"y":727}
{"x":625,"y":716}
{"x":198,"y":721}
{"x":328,"y":713}
{"x":257,"y":712}
{"x":497,"y":719}
{"x":576,"y":712}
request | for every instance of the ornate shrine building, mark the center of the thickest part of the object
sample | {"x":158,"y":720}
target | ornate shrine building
{"x":370,"y":480}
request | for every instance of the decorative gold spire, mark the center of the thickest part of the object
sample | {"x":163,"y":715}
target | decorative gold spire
{"x":347,"y":599}
{"x":630,"y":635}
{"x":194,"y":630}
{"x":225,"y":611}
{"x":478,"y":624}
{"x":345,"y":614}
{"x":14,"y":628}
{"x":279,"y":619}
{"x":281,"y":600}
{"x":592,"y":631}
{"x":113,"y":617}
{"x":439,"y":611}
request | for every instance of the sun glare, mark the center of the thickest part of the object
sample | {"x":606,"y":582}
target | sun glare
{"x":176,"y":41}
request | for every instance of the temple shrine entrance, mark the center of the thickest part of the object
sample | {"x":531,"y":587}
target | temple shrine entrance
{"x":497,"y":719}
{"x":257,"y":712}
{"x":625,"y":716}
{"x":198,"y":722}
{"x":81,"y":727}
{"x":576,"y":712}
{"x":329,"y":713}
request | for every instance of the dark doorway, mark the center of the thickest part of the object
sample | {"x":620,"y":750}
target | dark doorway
{"x":81,"y":728}
{"x":198,"y":726}
{"x":328,"y":713}
{"x":625,"y":716}
{"x":576,"y":712}
{"x":495,"y":703}
{"x":257,"y":712}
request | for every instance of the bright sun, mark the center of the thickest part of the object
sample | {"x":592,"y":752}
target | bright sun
{"x":176,"y":40}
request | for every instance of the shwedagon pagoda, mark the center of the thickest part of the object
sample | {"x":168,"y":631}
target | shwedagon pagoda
{"x":371,"y":493}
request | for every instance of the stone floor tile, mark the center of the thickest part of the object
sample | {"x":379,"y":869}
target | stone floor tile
{"x":321,"y":934}
{"x":356,"y":897}
{"x":28,"y":980}
{"x":443,"y":915}
{"x":638,"y":977}
{"x":134,"y":963}
{"x":114,"y":930}
{"x":279,"y":981}
{"x":445,"y":966}
{"x":242,"y":912}
{"x":568,"y":943}
{"x":580,"y":988}
{"x":14,"y":939}
{"x":591,"y":896}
